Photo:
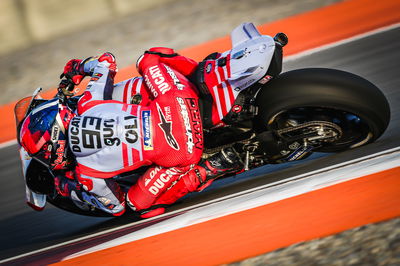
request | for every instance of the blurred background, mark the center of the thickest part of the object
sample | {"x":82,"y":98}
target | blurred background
{"x":37,"y":37}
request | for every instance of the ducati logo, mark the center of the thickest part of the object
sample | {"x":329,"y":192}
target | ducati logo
{"x":166,"y":127}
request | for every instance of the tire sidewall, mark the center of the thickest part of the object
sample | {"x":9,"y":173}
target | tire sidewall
{"x":326,"y":88}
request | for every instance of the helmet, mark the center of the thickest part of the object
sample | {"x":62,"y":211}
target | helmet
{"x":43,"y":134}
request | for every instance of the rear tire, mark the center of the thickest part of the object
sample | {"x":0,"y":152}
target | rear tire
{"x":333,"y":91}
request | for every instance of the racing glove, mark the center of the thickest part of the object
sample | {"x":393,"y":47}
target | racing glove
{"x":76,"y":69}
{"x":73,"y":70}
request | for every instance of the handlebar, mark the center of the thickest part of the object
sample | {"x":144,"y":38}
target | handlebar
{"x":66,"y":86}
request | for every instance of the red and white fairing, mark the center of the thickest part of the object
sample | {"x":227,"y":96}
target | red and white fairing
{"x":34,"y":200}
{"x":239,"y":68}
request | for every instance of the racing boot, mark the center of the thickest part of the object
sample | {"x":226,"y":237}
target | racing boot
{"x":225,"y":162}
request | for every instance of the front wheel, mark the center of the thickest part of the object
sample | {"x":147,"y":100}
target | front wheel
{"x":347,"y":106}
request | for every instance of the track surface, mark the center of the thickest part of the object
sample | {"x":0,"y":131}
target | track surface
{"x":375,"y":57}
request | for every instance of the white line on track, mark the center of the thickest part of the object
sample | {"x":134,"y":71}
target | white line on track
{"x":296,"y":56}
{"x":8,"y":143}
{"x":267,"y":193}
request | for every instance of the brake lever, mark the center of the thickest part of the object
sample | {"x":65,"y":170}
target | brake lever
{"x":66,"y":86}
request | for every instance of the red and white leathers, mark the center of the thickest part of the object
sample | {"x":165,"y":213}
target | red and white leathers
{"x":110,"y":136}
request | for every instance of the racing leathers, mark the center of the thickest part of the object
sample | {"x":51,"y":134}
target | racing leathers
{"x":162,"y":130}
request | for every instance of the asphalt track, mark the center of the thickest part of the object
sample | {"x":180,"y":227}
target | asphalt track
{"x":375,"y":57}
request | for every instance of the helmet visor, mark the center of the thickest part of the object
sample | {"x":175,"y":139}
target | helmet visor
{"x":36,"y":129}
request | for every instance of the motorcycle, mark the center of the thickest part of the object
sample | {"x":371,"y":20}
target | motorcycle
{"x":277,"y":118}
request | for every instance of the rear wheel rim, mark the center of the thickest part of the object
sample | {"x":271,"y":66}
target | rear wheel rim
{"x":356,"y":131}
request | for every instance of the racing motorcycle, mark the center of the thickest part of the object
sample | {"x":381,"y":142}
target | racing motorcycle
{"x":277,"y":118}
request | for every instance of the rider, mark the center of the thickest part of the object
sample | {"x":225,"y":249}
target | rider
{"x":153,"y":120}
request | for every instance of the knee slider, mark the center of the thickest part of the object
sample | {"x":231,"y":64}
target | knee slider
{"x":149,"y":211}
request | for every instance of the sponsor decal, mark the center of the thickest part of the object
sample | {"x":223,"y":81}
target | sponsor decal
{"x":177,"y":82}
{"x":93,"y":132}
{"x":159,"y":79}
{"x":161,"y":181}
{"x":55,"y":133}
{"x":245,"y":85}
{"x":96,"y":76}
{"x":152,"y":174}
{"x":59,"y":163}
{"x":150,"y":86}
{"x":192,"y":122}
{"x":105,"y":201}
{"x":196,"y":122}
{"x":237,"y":108}
{"x":108,"y":133}
{"x":186,"y":122}
{"x":147,"y":134}
{"x":167,"y":113}
{"x":136,"y":99}
{"x":131,"y":135}
{"x":299,"y":153}
{"x":265,"y":79}
{"x":166,"y":127}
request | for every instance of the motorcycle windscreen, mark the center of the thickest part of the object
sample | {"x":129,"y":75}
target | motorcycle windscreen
{"x":21,"y":109}
{"x":23,"y":106}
